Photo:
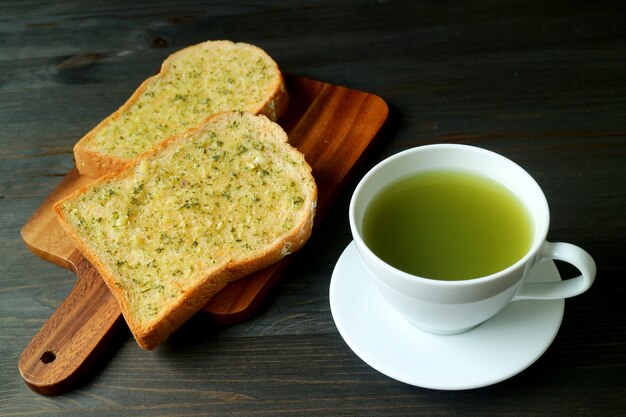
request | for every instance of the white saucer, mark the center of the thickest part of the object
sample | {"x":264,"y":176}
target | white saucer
{"x":494,"y":351}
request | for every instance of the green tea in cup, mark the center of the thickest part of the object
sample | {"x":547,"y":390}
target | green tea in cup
{"x":447,"y":225}
{"x":430,"y":221}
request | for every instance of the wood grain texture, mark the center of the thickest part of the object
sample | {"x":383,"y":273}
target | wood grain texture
{"x":542,"y":83}
{"x":64,"y":349}
{"x":320,"y":123}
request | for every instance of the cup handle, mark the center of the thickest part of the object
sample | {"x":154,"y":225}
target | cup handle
{"x":561,"y":289}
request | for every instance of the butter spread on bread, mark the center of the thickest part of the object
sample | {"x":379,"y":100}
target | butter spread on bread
{"x":199,"y":210}
{"x":193,"y":84}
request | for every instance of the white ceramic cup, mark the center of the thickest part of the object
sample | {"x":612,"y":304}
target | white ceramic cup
{"x":449,"y":307}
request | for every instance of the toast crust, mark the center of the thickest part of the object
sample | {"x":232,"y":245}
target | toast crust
{"x":150,"y":334}
{"x":95,"y":163}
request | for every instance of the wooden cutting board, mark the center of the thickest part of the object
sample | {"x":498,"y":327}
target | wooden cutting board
{"x":331,"y":125}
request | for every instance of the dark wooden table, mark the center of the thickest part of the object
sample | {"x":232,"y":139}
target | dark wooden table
{"x":543,"y":83}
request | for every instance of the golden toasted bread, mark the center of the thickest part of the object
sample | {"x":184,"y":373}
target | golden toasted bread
{"x":197,"y":211}
{"x":193,"y":84}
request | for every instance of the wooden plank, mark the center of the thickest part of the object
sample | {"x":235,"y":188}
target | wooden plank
{"x":331,"y":125}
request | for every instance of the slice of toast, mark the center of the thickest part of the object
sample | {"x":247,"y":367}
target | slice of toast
{"x":199,"y":210}
{"x":193,"y":84}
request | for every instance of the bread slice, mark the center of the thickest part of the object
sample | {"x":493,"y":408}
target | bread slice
{"x":199,"y":210}
{"x":193,"y":83}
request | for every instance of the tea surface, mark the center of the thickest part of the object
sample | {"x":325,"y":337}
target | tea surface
{"x":447,"y":225}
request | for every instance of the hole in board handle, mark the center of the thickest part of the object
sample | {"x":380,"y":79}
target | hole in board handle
{"x":48,"y":357}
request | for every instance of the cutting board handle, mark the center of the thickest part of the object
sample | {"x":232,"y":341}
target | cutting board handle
{"x":62,"y":352}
